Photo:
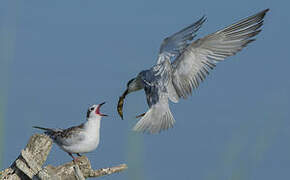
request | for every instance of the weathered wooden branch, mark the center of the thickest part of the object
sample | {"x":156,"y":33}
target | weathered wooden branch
{"x":29,"y":164}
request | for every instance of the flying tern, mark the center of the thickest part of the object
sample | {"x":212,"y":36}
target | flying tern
{"x":79,"y":139}
{"x":182,"y":64}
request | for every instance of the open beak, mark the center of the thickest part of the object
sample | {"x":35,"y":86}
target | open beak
{"x":98,"y":109}
{"x":102,"y":103}
{"x":121,"y":103}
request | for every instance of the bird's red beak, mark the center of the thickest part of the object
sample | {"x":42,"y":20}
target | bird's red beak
{"x":98,"y":110}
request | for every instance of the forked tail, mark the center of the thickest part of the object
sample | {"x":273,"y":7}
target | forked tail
{"x":155,"y":120}
{"x":48,"y":131}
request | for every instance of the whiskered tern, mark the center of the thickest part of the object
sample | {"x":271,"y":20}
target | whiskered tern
{"x":191,"y":62}
{"x":79,"y":139}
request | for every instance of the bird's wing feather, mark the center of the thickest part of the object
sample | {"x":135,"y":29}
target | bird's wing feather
{"x":175,"y":44}
{"x":71,"y":135}
{"x":65,"y":136}
{"x":192,"y":66}
{"x":158,"y":117}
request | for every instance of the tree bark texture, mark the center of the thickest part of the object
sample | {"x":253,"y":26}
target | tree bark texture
{"x":29,"y":163}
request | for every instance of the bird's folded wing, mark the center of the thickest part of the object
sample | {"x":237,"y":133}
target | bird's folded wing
{"x":70,"y":136}
{"x":192,"y":66}
{"x":175,"y":44}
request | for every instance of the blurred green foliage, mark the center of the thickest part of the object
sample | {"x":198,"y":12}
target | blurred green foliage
{"x":135,"y":156}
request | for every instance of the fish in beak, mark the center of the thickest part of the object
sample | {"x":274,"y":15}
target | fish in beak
{"x":121,"y":103}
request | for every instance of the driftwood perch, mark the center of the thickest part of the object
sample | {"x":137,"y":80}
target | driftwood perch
{"x":29,"y":164}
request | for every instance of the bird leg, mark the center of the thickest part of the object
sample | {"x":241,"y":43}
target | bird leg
{"x":79,"y":154}
{"x":74,"y":159}
{"x":140,"y":115}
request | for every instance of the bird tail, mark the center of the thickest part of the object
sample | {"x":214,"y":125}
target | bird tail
{"x":42,"y":128}
{"x":155,"y":120}
{"x":48,"y":131}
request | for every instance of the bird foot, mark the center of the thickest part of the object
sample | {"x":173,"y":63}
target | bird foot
{"x":76,"y":160}
{"x":140,"y":115}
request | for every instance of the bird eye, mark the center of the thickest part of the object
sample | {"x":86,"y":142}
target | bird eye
{"x":129,"y":82}
{"x":91,"y":109}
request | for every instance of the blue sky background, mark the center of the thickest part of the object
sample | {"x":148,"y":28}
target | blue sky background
{"x":59,"y":57}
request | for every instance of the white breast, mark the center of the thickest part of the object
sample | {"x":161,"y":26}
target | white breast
{"x":91,"y":140}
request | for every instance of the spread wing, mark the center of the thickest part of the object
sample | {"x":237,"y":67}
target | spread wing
{"x":158,"y":117}
{"x":174,"y":45}
{"x":192,"y":66}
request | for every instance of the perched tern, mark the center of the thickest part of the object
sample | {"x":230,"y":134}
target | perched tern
{"x":79,"y":139}
{"x":191,"y":62}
